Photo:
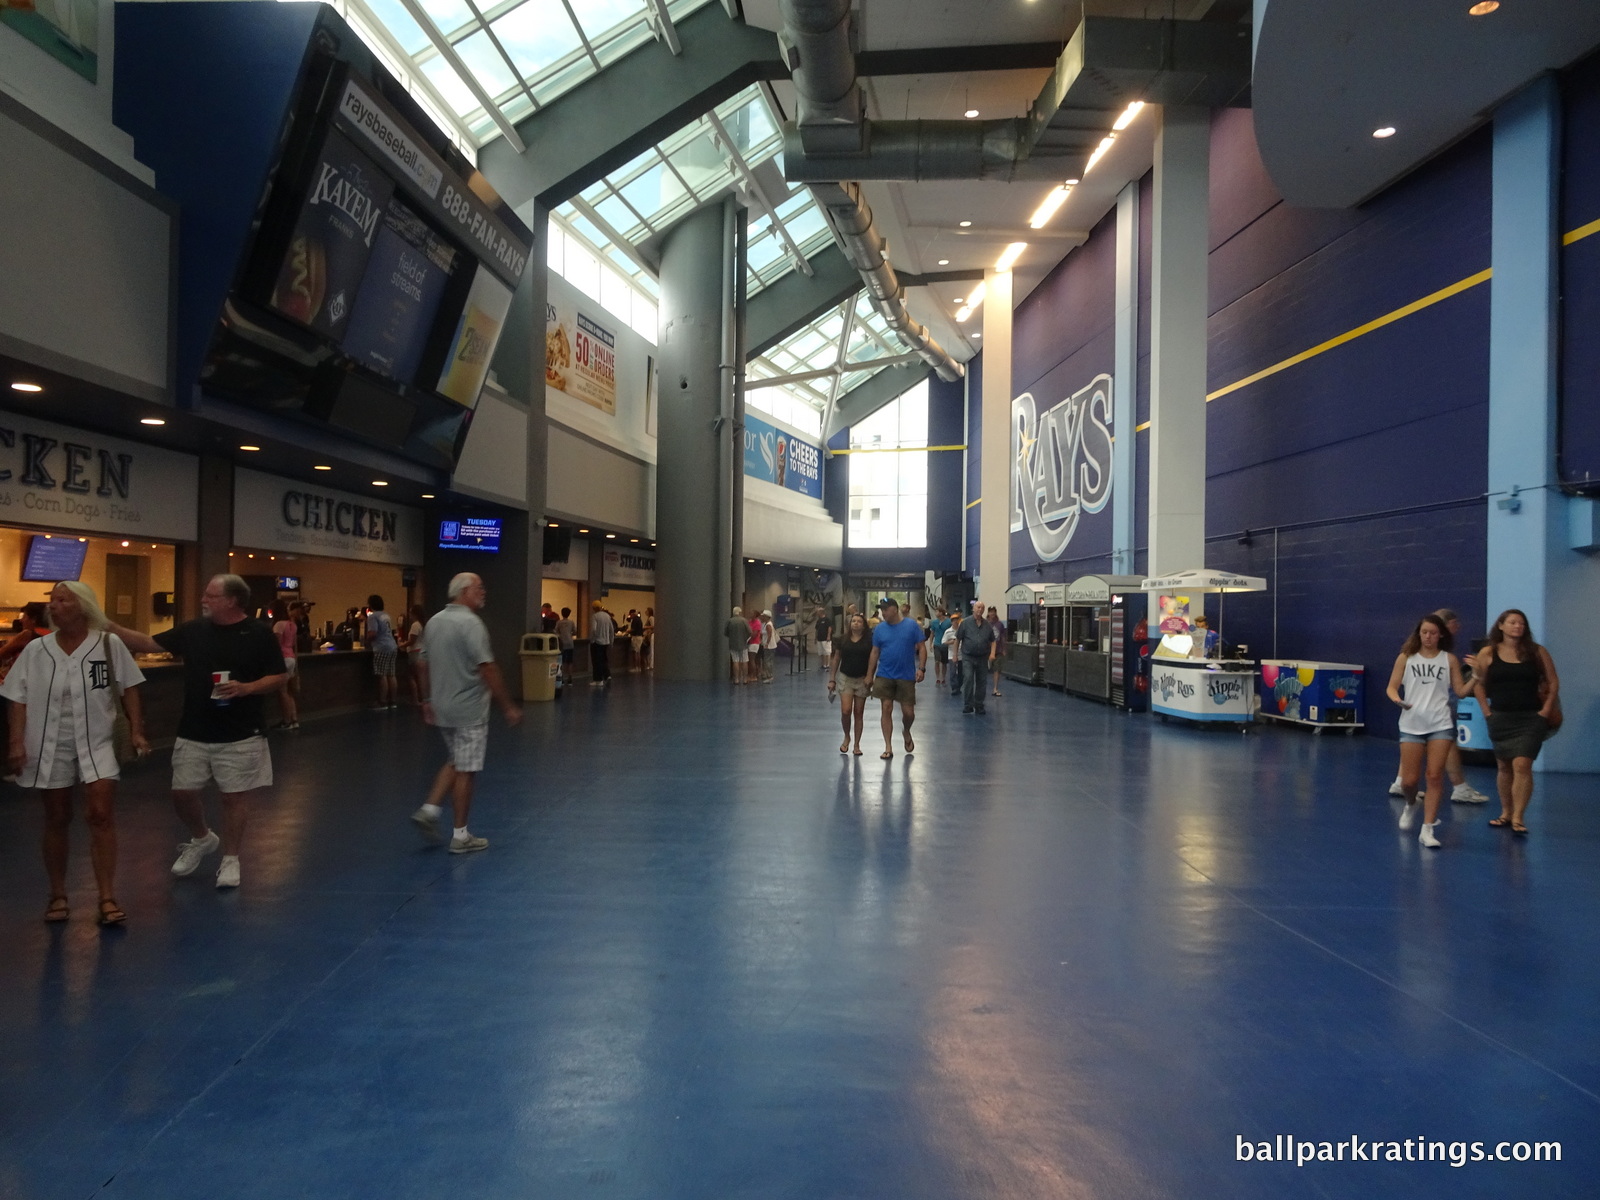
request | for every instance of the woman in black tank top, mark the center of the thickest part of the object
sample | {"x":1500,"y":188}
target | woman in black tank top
{"x":1519,"y":693}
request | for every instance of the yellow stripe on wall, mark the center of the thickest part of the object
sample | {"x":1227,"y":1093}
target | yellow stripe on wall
{"x":894,"y":449}
{"x":976,"y":502}
{"x":1581,"y":232}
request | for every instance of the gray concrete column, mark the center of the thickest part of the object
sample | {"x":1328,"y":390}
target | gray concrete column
{"x":996,"y":471}
{"x":1180,"y":232}
{"x":696,"y":427}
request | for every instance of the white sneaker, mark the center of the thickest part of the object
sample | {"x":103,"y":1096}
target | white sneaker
{"x":1408,"y":814}
{"x":468,"y":844}
{"x":1465,"y":793}
{"x":427,"y":825}
{"x":1426,"y":836}
{"x":1395,"y":789}
{"x":228,"y":873}
{"x":191,"y":852}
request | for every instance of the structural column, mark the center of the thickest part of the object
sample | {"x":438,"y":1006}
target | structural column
{"x":1124,"y":386}
{"x":996,"y":463}
{"x":1180,"y":231}
{"x":696,"y":426}
{"x":1531,"y":564}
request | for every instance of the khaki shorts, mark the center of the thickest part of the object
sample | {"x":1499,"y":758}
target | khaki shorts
{"x":239,"y":766}
{"x":853,"y":685}
{"x":903,"y":690}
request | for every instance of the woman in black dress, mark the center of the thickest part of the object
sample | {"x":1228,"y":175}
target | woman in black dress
{"x":1519,"y":692}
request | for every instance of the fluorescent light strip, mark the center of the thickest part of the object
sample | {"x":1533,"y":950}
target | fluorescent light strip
{"x":1049,"y":206}
{"x":1008,"y":258}
{"x":1128,"y":114}
{"x":1099,"y":152}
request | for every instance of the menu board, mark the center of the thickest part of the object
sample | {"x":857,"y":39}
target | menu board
{"x":399,"y":295}
{"x":472,"y":347}
{"x":333,"y":237}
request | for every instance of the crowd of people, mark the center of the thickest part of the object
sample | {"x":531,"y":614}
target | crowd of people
{"x":75,"y":717}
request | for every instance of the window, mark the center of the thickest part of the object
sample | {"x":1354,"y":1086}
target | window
{"x":889,"y":482}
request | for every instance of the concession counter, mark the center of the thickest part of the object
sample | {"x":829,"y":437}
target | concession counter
{"x":1101,"y":643}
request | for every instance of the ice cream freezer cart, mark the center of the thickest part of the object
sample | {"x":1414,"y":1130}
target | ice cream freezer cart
{"x":1186,"y":684}
{"x":1319,"y":695}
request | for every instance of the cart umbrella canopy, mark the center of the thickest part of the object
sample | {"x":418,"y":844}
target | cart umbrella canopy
{"x":1200,"y":579}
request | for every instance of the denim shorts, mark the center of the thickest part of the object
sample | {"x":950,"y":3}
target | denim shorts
{"x":1418,"y":739}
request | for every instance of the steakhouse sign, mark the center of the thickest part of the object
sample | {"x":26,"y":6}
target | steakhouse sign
{"x":1061,"y":465}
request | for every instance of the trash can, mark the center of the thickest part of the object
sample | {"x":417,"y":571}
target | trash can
{"x":541,"y":667}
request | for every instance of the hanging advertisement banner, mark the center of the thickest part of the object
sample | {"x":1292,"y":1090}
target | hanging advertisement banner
{"x":778,"y":456}
{"x":580,"y":355}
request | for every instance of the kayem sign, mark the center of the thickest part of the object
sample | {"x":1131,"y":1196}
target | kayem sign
{"x":272,"y":513}
{"x":63,"y":478}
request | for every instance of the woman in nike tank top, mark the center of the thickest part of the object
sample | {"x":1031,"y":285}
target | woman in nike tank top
{"x":1424,"y":683}
{"x":1520,"y":693}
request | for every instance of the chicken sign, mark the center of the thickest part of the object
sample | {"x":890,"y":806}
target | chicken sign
{"x":1061,"y":465}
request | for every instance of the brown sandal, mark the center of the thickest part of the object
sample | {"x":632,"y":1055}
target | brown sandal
{"x":111,"y":913}
{"x":58,"y":909}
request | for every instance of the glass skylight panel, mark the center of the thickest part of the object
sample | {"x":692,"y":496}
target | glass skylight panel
{"x":765,"y":252}
{"x":537,"y":35}
{"x":616,"y":214}
{"x":400,"y":25}
{"x":448,"y":15}
{"x":484,"y":61}
{"x":456,"y":93}
{"x":645,"y":191}
{"x":700,"y":164}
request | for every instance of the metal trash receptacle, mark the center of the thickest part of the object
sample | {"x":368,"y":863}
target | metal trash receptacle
{"x":541,"y":667}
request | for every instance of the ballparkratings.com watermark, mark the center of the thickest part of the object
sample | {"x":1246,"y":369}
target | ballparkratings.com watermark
{"x":1288,"y":1148}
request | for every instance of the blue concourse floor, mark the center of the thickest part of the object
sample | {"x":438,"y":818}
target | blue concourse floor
{"x":1059,"y":952}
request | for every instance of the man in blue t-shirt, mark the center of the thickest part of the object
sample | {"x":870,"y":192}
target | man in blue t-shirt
{"x":899,"y":659}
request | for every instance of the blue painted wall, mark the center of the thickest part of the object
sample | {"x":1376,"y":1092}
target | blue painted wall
{"x":1580,"y":279}
{"x":204,"y":89}
{"x":1358,"y":473}
{"x":974,"y":458}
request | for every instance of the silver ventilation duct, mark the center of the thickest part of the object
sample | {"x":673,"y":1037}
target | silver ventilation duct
{"x":815,"y":42}
{"x":852,"y":225}
{"x":1108,"y":63}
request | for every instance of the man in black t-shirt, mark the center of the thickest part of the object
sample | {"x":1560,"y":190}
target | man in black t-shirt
{"x":230,"y":661}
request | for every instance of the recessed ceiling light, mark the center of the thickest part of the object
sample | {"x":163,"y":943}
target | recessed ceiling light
{"x":766,"y":562}
{"x":966,"y":224}
{"x":321,"y":467}
{"x":944,"y":262}
{"x":249,"y":555}
{"x":26,"y":387}
{"x":249,"y":447}
{"x":959,"y":300}
{"x":611,"y":535}
{"x":976,"y":334}
{"x":583,"y":531}
{"x":970,"y":113}
{"x":380,"y":483}
{"x":555,"y":524}
{"x":1072,"y":183}
{"x":635,"y":541}
{"x":427,"y":495}
{"x":1484,"y":7}
{"x":1386,"y":131}
{"x":151,"y":421}
{"x":124,"y":545}
{"x":83,"y":539}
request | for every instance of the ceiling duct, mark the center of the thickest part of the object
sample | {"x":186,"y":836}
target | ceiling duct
{"x":852,"y":225}
{"x":816,"y":45}
{"x":1108,"y":63}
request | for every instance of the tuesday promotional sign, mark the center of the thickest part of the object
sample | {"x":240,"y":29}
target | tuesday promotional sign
{"x":778,"y":456}
{"x":271,"y":513}
{"x":1061,"y":465}
{"x":580,"y":355}
{"x":64,"y":478}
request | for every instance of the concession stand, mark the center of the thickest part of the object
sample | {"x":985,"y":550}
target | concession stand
{"x":1099,"y":649}
{"x":1184,"y":681}
{"x":1026,"y":634}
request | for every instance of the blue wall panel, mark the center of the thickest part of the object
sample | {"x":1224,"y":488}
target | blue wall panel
{"x":1580,"y":279}
{"x":974,"y":458}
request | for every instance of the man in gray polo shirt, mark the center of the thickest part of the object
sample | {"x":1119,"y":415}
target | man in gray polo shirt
{"x":459,"y":677}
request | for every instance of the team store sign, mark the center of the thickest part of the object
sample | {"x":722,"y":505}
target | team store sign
{"x":1061,"y":465}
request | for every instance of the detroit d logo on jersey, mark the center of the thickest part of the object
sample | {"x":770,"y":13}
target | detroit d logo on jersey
{"x":99,"y":675}
{"x":1061,"y":465}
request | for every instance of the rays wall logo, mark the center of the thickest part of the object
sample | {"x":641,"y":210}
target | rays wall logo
{"x":1061,"y":465}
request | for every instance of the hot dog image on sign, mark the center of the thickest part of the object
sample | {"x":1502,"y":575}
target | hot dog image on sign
{"x":1061,"y":465}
